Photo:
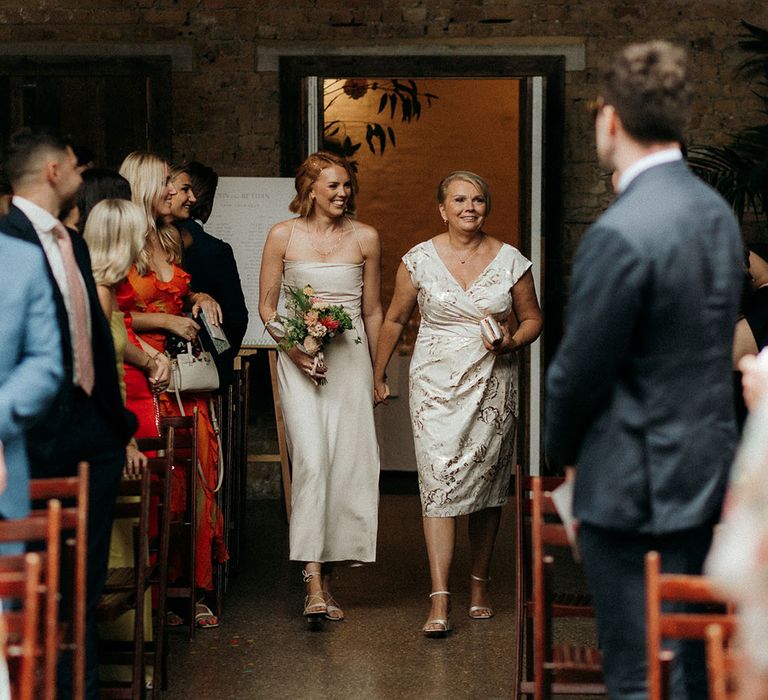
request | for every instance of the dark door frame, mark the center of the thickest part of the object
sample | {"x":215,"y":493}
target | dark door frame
{"x":157,"y":70}
{"x":293,"y":139}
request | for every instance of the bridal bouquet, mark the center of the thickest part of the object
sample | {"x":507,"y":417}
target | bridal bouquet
{"x":311,"y":324}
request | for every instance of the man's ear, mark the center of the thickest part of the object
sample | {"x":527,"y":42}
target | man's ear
{"x":614,"y":120}
{"x":52,"y":170}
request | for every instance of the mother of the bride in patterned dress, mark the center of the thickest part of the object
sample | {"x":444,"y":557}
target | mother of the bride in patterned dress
{"x":463,"y":388}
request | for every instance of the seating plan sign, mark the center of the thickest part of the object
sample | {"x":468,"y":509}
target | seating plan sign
{"x":244,"y":210}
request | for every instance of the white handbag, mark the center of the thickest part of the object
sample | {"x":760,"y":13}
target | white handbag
{"x":190,"y":373}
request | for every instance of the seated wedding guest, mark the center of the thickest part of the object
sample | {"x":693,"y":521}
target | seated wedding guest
{"x":87,"y":420}
{"x":31,"y":370}
{"x":463,"y":382}
{"x":209,"y":260}
{"x":331,"y":434}
{"x":155,"y":294}
{"x":98,"y":184}
{"x":736,"y":562}
{"x":115,"y":235}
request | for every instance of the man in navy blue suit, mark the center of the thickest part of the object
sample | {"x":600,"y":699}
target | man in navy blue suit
{"x":211,"y":263}
{"x":639,"y":394}
{"x":30,"y":367}
{"x":87,"y":420}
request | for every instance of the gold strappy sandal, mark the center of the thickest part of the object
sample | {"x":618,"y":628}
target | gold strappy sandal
{"x":315,"y":607}
{"x":481,"y":612}
{"x":333,"y":611}
{"x":438,"y":627}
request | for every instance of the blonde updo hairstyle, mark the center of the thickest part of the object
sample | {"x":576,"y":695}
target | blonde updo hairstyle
{"x":465,"y":176}
{"x":308,"y":173}
{"x":115,"y":233}
{"x":146,"y":173}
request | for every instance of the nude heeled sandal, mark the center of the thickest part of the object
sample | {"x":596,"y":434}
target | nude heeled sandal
{"x":334,"y":613}
{"x":438,"y":627}
{"x":481,"y":612}
{"x":315,"y":607}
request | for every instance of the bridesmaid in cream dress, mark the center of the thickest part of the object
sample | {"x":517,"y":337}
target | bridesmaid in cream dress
{"x":463,"y":389}
{"x":330,"y":429}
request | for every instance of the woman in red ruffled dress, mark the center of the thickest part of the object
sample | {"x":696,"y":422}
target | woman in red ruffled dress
{"x":155,"y":295}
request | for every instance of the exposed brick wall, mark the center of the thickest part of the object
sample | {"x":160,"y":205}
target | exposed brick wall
{"x":227,"y":114}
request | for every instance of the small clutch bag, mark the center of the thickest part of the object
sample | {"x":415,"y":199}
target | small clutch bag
{"x":489,"y":327}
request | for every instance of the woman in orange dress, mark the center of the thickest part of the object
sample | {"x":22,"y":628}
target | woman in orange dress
{"x":156,"y":294}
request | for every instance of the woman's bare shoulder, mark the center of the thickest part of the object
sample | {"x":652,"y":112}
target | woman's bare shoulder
{"x":366,"y":232}
{"x":282,"y":229}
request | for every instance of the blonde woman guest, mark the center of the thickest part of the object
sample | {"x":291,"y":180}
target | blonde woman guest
{"x":115,"y":234}
{"x":156,"y":293}
{"x":463,"y":389}
{"x":330,"y":429}
{"x":115,"y":238}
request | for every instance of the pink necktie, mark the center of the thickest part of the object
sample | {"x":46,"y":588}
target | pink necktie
{"x":82,"y":352}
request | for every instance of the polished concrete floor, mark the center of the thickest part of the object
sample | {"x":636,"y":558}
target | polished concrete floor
{"x":264,"y":648}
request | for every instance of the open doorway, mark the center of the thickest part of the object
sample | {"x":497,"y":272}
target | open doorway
{"x":514,"y":138}
{"x":403,"y":136}
{"x":402,"y":152}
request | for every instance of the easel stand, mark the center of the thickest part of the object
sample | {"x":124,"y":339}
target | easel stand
{"x":282,"y":443}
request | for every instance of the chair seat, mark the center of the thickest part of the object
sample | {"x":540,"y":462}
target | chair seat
{"x":566,"y":605}
{"x":119,"y":579}
{"x":570,"y":657}
{"x":580,"y":602}
{"x":119,"y":595}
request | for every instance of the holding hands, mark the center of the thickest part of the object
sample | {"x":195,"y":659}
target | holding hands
{"x":380,"y":392}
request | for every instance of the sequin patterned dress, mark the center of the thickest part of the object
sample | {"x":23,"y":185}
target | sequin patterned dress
{"x":463,"y":398}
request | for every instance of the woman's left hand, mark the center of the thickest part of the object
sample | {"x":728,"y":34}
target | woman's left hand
{"x":506,"y":345}
{"x":209,"y":306}
{"x":135,"y":461}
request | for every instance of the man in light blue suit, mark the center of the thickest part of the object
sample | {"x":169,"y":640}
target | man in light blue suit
{"x":31,"y":367}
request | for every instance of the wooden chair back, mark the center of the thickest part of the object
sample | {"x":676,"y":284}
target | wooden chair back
{"x":563,"y":603}
{"x":151,"y":569}
{"x":42,"y":529}
{"x":723,"y":663}
{"x":567,"y":669}
{"x":126,"y":586}
{"x":73,"y":492}
{"x":182,"y":432}
{"x":662,"y":624}
{"x":20,"y":580}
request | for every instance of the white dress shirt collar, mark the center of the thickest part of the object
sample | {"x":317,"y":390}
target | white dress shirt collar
{"x":41,"y":219}
{"x":668,"y":155}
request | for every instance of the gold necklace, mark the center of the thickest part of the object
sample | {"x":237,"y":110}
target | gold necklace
{"x":325,"y":236}
{"x":474,"y":250}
